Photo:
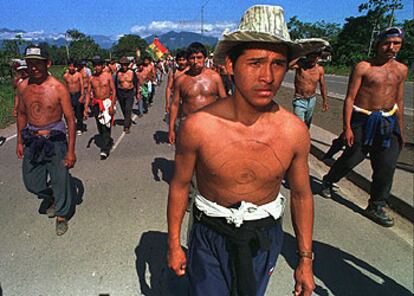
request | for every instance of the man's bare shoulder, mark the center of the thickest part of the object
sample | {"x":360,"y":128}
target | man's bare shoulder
{"x":290,"y":127}
{"x":401,"y":67}
{"x":52,"y":81}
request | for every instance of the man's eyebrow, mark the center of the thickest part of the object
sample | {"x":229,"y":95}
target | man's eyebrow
{"x":261,"y":59}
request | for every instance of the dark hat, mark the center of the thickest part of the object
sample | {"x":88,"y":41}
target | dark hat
{"x":97,"y":60}
{"x":124,"y":60}
{"x":36,"y":52}
{"x":390,"y":32}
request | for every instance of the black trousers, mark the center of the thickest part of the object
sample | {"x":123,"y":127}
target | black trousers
{"x":78,"y":109}
{"x":383,"y":161}
{"x":104,"y":132}
{"x":126,"y":100}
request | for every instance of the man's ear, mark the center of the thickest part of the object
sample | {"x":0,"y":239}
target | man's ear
{"x":229,"y":65}
{"x":49,"y":64}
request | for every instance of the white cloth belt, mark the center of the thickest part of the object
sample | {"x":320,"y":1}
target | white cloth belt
{"x":104,"y":117}
{"x":246,"y":212}
{"x":383,"y":113}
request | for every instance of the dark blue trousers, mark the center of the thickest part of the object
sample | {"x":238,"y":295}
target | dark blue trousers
{"x":209,"y":266}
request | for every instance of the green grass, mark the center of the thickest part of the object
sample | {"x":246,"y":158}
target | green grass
{"x":6,"y":103}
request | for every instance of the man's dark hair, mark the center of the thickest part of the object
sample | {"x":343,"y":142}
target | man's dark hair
{"x":196,"y":47}
{"x":235,"y":52}
{"x":72,"y":62}
{"x":181,"y":53}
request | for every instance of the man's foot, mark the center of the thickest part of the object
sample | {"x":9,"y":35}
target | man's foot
{"x":61,"y":226}
{"x":327,"y":189}
{"x":104,"y":155}
{"x":140,"y":115}
{"x":2,"y":140}
{"x":50,"y":212}
{"x":378,"y":215}
{"x":79,"y":132}
{"x":126,"y":130}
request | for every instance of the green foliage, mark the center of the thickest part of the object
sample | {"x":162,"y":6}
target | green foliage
{"x":6,"y":102}
{"x":127,"y":46}
{"x":406,"y":55}
{"x":320,"y":29}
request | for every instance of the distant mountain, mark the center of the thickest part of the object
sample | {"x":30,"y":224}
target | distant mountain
{"x":57,"y":39}
{"x":174,"y":40}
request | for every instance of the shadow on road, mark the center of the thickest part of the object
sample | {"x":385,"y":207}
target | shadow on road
{"x":161,"y":137}
{"x":166,"y":167}
{"x":97,"y":140}
{"x":155,"y":278}
{"x":342,"y":273}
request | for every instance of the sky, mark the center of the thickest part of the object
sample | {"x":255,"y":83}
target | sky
{"x":144,"y":17}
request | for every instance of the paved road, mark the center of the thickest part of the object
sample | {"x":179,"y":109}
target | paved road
{"x":339,"y":84}
{"x":116,"y":243}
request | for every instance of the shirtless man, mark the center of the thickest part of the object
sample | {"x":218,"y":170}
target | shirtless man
{"x":126,"y":83}
{"x":173,"y":74}
{"x":196,"y":88}
{"x":142,"y":95}
{"x":102,"y":87}
{"x":308,"y":75}
{"x":240,"y":148}
{"x":41,"y":136}
{"x":150,"y":77}
{"x":21,"y":75}
{"x":113,"y":67}
{"x":373,"y":122}
{"x":74,"y":83}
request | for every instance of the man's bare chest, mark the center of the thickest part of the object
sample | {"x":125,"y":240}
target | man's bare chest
{"x":98,"y":83}
{"x":40,"y":102}
{"x":125,"y":77}
{"x":198,"y":88}
{"x":380,"y":78}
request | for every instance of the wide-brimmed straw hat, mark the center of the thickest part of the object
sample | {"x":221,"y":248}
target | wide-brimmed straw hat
{"x":265,"y":23}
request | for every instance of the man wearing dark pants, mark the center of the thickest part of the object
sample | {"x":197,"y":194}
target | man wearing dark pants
{"x":74,"y":83}
{"x":126,"y":83}
{"x":104,"y":99}
{"x":41,"y":140}
{"x":373,"y":122}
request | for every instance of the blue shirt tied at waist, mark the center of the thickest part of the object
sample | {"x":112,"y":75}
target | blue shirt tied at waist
{"x":378,"y":124}
{"x":37,"y":143}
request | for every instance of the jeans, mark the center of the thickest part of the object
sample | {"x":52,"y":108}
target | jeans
{"x":383,"y":161}
{"x":303,"y":108}
{"x":78,"y":109}
{"x":126,"y":100}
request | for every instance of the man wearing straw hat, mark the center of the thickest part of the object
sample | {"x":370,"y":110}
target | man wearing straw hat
{"x":240,"y":148}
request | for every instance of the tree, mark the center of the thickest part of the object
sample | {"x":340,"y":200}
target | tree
{"x":406,"y":55}
{"x":81,"y":46}
{"x":320,"y":29}
{"x":127,"y":46}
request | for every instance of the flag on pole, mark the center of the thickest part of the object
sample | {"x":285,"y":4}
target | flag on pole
{"x":156,"y":49}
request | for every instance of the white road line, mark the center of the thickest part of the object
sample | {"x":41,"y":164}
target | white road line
{"x":122,"y":136}
{"x":11,"y":137}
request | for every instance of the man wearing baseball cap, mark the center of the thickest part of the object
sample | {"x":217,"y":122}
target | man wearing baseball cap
{"x":42,"y":142}
{"x":373,"y":122}
{"x":240,"y":148}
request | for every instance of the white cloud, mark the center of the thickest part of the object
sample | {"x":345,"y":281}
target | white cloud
{"x":31,"y":35}
{"x":161,"y":27}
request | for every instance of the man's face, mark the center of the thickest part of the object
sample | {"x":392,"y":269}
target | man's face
{"x":72,"y":68}
{"x":196,"y":61}
{"x":37,"y":69}
{"x":140,"y":67}
{"x":182,"y":63}
{"x":389,"y":47}
{"x":124,"y":67}
{"x":98,"y":68}
{"x":312,"y":58}
{"x":258,"y":73}
{"x":146,"y":62}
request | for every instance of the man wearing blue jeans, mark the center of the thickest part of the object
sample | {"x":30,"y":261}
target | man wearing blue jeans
{"x":308,"y":75}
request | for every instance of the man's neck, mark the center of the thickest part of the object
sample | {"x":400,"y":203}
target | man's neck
{"x":246,"y":113}
{"x":37,"y":81}
{"x":379,"y":60}
{"x":195,"y":72}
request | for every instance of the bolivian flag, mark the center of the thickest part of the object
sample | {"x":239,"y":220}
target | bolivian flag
{"x":156,"y":49}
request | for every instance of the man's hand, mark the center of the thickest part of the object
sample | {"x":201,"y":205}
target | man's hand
{"x":171,"y":137}
{"x":167,"y":109}
{"x":111,"y":110}
{"x":325,"y":107}
{"x":304,"y":283}
{"x":19,"y":150}
{"x":70,"y":160}
{"x":402,"y":141}
{"x":177,"y":260}
{"x":14,"y":113}
{"x":85,"y":113}
{"x":349,"y":137}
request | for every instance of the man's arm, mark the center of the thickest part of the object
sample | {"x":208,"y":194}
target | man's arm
{"x":175,"y":104}
{"x":67,"y":109}
{"x":322,"y":87}
{"x":168,"y":90}
{"x":113,"y":93}
{"x":302,"y":211}
{"x":221,"y":89}
{"x":81,"y":85}
{"x":355,"y":81}
{"x":21,"y":123}
{"x":400,"y":103}
{"x":87,"y":98}
{"x":185,"y":159}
